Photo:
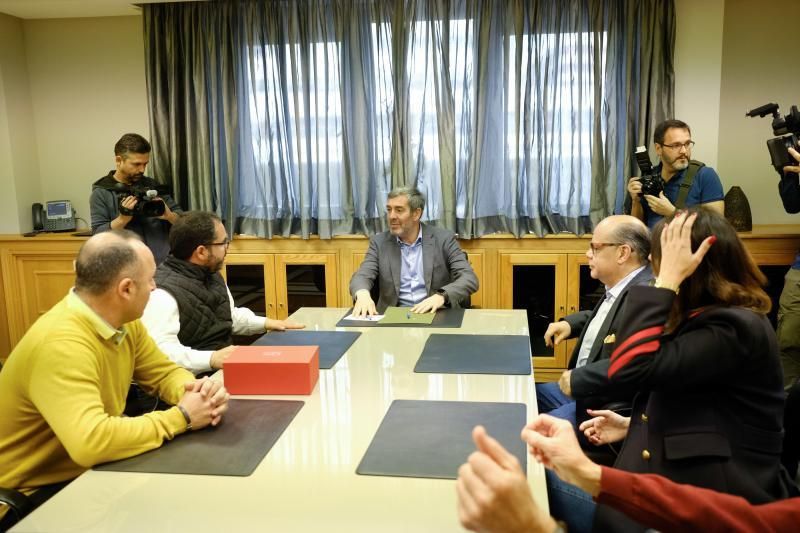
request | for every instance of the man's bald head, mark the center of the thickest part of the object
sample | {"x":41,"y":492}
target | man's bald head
{"x":104,"y":259}
{"x":626,"y":229}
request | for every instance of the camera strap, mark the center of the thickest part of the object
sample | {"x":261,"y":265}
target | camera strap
{"x":683,"y":193}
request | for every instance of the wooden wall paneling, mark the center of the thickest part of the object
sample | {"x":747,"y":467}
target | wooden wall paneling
{"x":475,"y":257}
{"x":35,"y":273}
{"x":5,"y":338}
{"x":34,"y":282}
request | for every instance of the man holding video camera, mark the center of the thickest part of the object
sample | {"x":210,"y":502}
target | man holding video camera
{"x":686,"y":182}
{"x":789,"y":305}
{"x":127,"y":199}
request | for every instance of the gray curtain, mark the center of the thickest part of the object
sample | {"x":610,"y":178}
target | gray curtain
{"x":297,"y":117}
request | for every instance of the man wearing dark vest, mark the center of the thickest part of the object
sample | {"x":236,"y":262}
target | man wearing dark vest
{"x":686,"y":182}
{"x":191,"y":314}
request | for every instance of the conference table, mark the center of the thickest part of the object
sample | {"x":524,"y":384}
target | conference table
{"x":307,"y":481}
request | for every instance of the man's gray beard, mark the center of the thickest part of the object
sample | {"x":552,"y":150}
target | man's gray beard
{"x":681,"y":165}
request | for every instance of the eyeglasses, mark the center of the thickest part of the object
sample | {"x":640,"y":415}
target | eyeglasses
{"x":224,"y":243}
{"x":678,"y":146}
{"x":597,"y":246}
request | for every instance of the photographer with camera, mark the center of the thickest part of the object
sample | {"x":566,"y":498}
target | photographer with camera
{"x":789,"y":305}
{"x":677,"y":182}
{"x":785,"y":159}
{"x":127,"y":199}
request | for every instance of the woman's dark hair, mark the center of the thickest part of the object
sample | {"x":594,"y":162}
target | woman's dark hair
{"x":727,"y":275}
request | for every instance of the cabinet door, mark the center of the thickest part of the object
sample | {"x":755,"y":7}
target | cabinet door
{"x":475,"y":258}
{"x":538,"y":284}
{"x":251,"y":280}
{"x":36,"y":281}
{"x":583,"y":291}
{"x":305,"y":280}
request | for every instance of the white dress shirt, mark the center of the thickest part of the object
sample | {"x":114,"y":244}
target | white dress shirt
{"x":597,"y":321}
{"x":162,"y":320}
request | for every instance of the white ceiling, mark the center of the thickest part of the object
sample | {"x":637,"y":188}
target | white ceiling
{"x":50,"y":9}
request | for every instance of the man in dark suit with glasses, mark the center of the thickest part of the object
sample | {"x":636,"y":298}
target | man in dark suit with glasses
{"x":618,"y":257}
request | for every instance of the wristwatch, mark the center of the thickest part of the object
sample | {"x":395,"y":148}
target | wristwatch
{"x":186,"y":417}
{"x":660,"y":284}
{"x":443,"y":294}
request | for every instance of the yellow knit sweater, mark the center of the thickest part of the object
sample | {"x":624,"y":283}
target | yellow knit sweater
{"x":63,"y":390}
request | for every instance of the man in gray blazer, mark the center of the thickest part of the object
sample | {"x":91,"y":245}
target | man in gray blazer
{"x":618,"y":257}
{"x":414,"y":264}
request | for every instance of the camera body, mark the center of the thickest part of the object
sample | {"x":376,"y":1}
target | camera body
{"x":652,"y":182}
{"x":787,"y":128}
{"x":147,"y":202}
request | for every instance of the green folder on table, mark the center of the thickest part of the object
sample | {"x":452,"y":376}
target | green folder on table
{"x":403,"y":315}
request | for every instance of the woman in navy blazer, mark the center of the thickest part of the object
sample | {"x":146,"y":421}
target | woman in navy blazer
{"x":700,"y":349}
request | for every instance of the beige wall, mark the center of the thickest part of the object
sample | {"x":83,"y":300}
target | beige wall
{"x":732,"y":56}
{"x":698,"y":72}
{"x":758,"y":66}
{"x":19,"y":169}
{"x":87,"y":88}
{"x":71,"y":87}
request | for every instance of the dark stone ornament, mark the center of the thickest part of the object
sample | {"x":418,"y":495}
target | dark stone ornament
{"x":737,"y":210}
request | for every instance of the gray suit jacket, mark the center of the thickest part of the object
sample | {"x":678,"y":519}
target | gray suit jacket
{"x":444,"y":264}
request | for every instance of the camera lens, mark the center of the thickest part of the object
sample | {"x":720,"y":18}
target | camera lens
{"x":153,"y":208}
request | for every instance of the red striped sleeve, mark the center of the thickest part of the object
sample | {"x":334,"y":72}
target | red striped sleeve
{"x":636,"y":337}
{"x":618,"y":363}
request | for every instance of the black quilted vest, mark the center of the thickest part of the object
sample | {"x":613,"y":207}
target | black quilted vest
{"x":203,"y":304}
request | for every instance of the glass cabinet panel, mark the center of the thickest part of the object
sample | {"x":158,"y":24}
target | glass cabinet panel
{"x":536,"y":283}
{"x":305,"y":286}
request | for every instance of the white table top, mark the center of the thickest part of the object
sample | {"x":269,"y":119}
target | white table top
{"x":307,"y":481}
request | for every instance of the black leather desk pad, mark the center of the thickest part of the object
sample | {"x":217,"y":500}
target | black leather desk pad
{"x":234,"y":448}
{"x":432,"y":439}
{"x":332,"y":344}
{"x":445,"y":318}
{"x":475,"y":354}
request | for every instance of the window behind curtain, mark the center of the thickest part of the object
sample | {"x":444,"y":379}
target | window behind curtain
{"x":284,"y":98}
{"x":298,"y":117}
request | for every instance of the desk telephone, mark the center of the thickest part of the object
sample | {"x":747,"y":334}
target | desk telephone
{"x":57,"y":216}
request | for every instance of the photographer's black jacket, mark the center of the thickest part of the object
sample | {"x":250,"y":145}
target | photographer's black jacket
{"x":104,"y":205}
{"x":789,"y":189}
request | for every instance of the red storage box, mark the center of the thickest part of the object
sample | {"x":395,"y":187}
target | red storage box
{"x":272,"y":370}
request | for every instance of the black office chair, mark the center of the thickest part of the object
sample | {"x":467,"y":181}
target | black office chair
{"x":18,"y":504}
{"x":21,"y":505}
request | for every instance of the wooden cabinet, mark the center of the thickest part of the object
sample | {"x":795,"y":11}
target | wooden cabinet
{"x":273,"y":284}
{"x":537,"y":283}
{"x":549,"y":286}
{"x":547,"y":276}
{"x":35,"y":278}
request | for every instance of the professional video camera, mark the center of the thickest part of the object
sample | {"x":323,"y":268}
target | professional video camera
{"x":652,"y":182}
{"x":147,"y":202}
{"x":787,"y":128}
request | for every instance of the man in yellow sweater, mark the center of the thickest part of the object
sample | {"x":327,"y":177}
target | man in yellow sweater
{"x":63,"y":388}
